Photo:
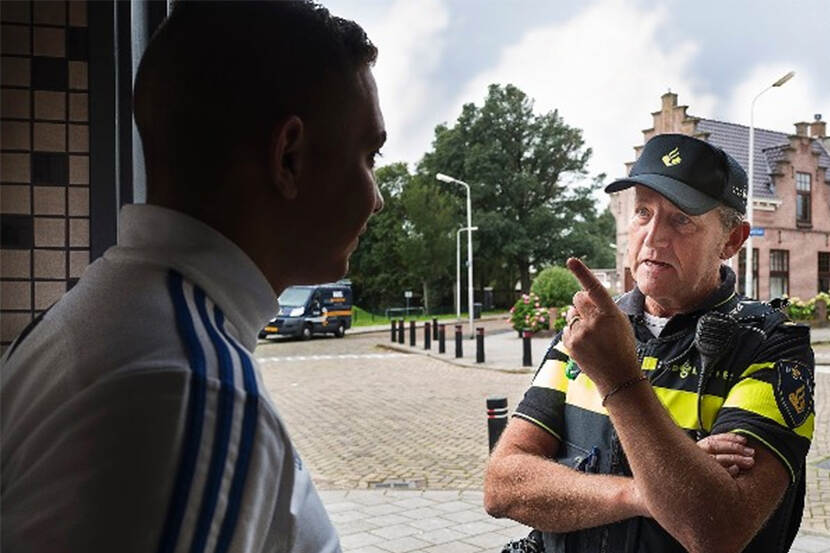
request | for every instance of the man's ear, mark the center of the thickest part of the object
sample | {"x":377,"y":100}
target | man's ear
{"x":287,"y":142}
{"x":736,"y":238}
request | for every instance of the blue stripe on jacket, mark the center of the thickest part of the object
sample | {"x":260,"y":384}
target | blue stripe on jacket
{"x":243,"y":460}
{"x":195,"y":416}
{"x":224,"y":420}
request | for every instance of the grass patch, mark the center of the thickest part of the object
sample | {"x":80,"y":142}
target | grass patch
{"x":361,"y":317}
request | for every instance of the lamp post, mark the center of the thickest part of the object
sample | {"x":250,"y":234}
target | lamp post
{"x":445,"y":178}
{"x":750,"y":192}
{"x":458,"y":269}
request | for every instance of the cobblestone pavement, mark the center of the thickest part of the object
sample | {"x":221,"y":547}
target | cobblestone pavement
{"x":363,"y":416}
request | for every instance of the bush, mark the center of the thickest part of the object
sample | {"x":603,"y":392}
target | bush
{"x":529,"y":314}
{"x":799,"y":310}
{"x":559,"y":322}
{"x":555,"y":286}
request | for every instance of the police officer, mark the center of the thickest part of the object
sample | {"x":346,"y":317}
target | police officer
{"x":679,"y":416}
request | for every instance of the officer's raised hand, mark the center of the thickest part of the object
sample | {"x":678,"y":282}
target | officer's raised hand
{"x":598,"y":335}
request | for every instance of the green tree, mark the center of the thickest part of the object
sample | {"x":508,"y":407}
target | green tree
{"x":377,"y":268}
{"x":408,"y":245}
{"x":526,"y":173}
{"x":427,"y":245}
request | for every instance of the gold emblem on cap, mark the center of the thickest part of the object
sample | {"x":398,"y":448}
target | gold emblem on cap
{"x":672,"y":158}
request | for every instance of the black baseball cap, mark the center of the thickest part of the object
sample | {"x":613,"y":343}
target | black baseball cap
{"x":691,"y":173}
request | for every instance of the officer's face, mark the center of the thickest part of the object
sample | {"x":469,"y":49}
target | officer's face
{"x":675,"y":257}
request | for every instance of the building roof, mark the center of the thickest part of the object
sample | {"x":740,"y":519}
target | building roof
{"x":770,"y":147}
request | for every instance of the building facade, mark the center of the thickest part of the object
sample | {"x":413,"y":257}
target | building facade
{"x":791,"y":204}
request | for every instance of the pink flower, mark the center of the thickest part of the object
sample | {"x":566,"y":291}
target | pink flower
{"x":525,"y":299}
{"x":512,"y":309}
{"x":538,"y":304}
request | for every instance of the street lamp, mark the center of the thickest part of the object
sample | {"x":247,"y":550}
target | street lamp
{"x":445,"y":178}
{"x":458,"y":269}
{"x":750,"y":192}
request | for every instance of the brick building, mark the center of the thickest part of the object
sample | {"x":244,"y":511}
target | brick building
{"x":791,"y":187}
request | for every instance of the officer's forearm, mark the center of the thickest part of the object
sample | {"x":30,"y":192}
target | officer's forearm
{"x":551,"y":497}
{"x":689,"y":493}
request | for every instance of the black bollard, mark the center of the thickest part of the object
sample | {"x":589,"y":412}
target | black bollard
{"x":496,"y":418}
{"x":459,"y":352}
{"x":434,"y":328}
{"x":412,"y":333}
{"x":427,"y":336}
{"x":526,"y":357}
{"x":442,"y":337}
{"x":393,"y":330}
{"x":480,"y":345}
{"x":400,"y":331}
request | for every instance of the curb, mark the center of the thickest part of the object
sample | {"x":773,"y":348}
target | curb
{"x":456,"y":362}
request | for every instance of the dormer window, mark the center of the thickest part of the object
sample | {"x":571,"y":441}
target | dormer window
{"x":803,"y":203}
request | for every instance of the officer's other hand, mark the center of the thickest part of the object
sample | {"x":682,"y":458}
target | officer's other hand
{"x":730,"y":451}
{"x":598,"y":335}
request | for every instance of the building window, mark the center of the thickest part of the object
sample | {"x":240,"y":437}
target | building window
{"x":824,"y":271}
{"x":742,"y":272}
{"x":779,"y":273}
{"x":803,"y":186}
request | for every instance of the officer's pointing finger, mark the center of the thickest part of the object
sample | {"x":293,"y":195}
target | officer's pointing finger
{"x":589,"y":282}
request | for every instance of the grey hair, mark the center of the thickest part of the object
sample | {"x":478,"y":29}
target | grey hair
{"x":729,"y":217}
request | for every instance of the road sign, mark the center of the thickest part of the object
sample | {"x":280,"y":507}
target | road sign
{"x":756,"y":231}
{"x":407,"y":294}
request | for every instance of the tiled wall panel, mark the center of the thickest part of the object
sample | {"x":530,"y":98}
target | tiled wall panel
{"x":44,"y":156}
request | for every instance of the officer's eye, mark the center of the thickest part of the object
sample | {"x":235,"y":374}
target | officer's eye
{"x":642,"y":213}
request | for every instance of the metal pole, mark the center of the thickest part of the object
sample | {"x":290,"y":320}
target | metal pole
{"x":459,"y":351}
{"x":400,"y":331}
{"x":749,"y":288}
{"x":412,"y":333}
{"x":480,"y":345}
{"x":427,"y":336}
{"x":526,"y":356}
{"x":458,"y":274}
{"x":434,"y":328}
{"x":442,"y":338}
{"x":496,"y":418}
{"x":469,"y":259}
{"x":393,"y":331}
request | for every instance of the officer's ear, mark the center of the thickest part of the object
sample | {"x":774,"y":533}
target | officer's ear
{"x":287,"y":142}
{"x":734,"y":240}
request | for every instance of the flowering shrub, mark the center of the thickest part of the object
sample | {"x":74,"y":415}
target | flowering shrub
{"x":799,"y":310}
{"x":559,"y":322}
{"x":528,"y":314}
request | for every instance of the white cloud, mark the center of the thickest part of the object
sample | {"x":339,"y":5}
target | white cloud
{"x":777,"y":109}
{"x":604,"y":70}
{"x":410,"y":39}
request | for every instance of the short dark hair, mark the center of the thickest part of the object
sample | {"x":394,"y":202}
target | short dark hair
{"x":217,"y":76}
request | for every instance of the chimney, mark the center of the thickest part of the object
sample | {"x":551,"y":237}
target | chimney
{"x":669,"y":100}
{"x":818,"y":128}
{"x":801,"y":128}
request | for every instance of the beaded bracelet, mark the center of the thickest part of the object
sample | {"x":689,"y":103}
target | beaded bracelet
{"x":621,"y":387}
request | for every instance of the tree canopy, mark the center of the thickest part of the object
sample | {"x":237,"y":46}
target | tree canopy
{"x":531,"y":199}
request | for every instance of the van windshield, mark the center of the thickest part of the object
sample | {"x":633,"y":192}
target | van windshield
{"x":294,"y":297}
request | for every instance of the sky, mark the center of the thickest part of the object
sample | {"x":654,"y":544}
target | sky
{"x":603,"y":64}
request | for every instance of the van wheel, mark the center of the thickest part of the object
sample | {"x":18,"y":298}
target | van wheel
{"x":340,"y":331}
{"x":307,"y":332}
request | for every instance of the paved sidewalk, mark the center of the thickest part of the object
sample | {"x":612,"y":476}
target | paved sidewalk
{"x":398,"y":521}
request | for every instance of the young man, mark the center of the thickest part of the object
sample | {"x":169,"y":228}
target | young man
{"x":133,"y":415}
{"x":601,"y":453}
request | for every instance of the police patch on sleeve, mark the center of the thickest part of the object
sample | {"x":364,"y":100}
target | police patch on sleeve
{"x":794,"y":391}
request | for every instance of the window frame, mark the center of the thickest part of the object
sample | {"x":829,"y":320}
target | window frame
{"x":803,"y":195}
{"x":783,"y":273}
